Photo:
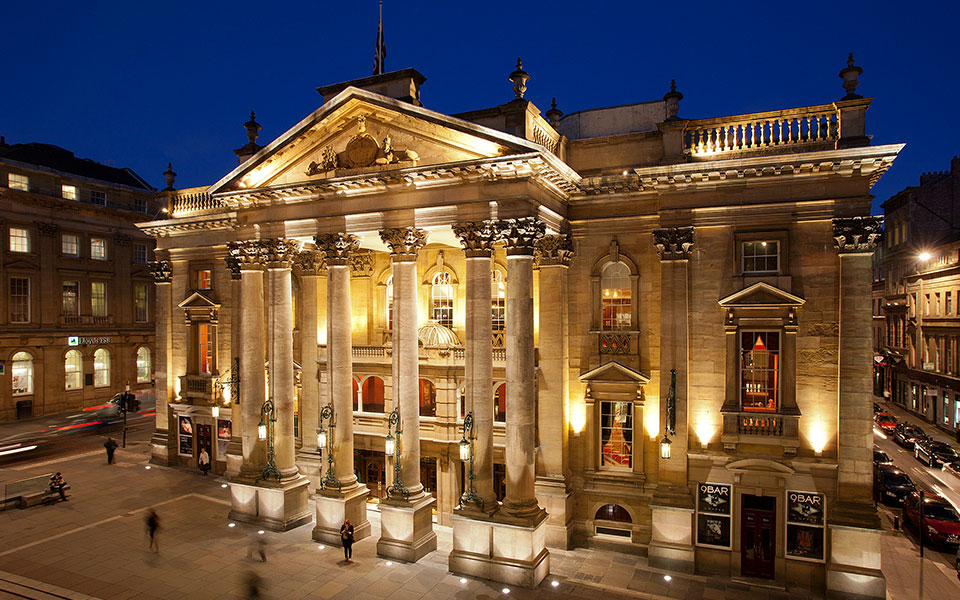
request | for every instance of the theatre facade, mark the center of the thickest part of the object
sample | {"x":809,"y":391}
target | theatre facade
{"x":616,"y":328}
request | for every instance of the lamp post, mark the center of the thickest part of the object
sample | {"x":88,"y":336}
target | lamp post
{"x":325,"y":441}
{"x":265,"y":433}
{"x":125,"y":404}
{"x":392,"y":446}
{"x":466,"y":453}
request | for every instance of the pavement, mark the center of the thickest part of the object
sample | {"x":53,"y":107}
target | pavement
{"x":95,"y":546}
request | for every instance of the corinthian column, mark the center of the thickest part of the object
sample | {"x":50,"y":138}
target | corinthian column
{"x":406,"y":527}
{"x":162,"y":443}
{"x":311,"y":264}
{"x":520,"y":503}
{"x":478,"y":239}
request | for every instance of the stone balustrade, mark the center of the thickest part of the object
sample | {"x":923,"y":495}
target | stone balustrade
{"x":191,"y":201}
{"x":805,"y":126}
{"x":197,"y":386}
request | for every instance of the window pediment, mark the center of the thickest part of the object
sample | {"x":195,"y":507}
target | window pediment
{"x":200,"y":307}
{"x":614,"y":372}
{"x":761,"y":295}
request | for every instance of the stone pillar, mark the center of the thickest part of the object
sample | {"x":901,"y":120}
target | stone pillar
{"x":311,"y":264}
{"x":163,"y":449}
{"x":671,"y":543}
{"x":232,"y":388}
{"x":854,"y":527}
{"x":277,"y":503}
{"x":341,"y":496}
{"x":478,"y":239}
{"x":553,"y":415}
{"x":406,"y":524}
{"x":511,"y":546}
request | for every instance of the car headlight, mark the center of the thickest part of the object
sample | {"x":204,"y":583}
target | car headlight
{"x":932,"y":531}
{"x":891,"y":494}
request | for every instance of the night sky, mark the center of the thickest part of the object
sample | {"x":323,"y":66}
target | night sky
{"x":153,"y":82}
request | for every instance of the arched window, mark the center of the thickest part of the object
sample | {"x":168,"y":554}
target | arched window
{"x":390,"y":303}
{"x":615,"y":297}
{"x":613,"y":512}
{"x":373,"y":395}
{"x":498,"y":311}
{"x":22,"y":374}
{"x":356,"y":394}
{"x":144,"y":365}
{"x":428,"y":398}
{"x":73,"y":370}
{"x":500,"y":403}
{"x":613,"y":520}
{"x":441,"y":299}
{"x":101,"y":367}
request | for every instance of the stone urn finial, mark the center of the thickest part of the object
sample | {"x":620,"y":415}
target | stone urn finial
{"x":253,"y":128}
{"x":169,"y":175}
{"x":672,"y":100}
{"x":553,"y":115}
{"x":519,"y":79}
{"x":850,"y":77}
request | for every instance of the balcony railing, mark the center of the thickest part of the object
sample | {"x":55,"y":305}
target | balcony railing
{"x":614,"y":343}
{"x":367,"y":351}
{"x":74,"y":320}
{"x":184,"y":203}
{"x":755,"y":424}
{"x":775,"y":129}
{"x":197,"y":386}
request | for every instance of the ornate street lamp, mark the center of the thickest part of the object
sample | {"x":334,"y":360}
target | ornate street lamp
{"x":233,"y":382}
{"x":466,"y":454}
{"x":325,"y":441}
{"x":392,"y":446}
{"x":266,"y":433}
{"x":665,"y":447}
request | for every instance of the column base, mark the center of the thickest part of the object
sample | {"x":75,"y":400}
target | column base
{"x":853,"y":568}
{"x":275,"y":507}
{"x":162,"y":451}
{"x":311,"y":467}
{"x":512,"y":554}
{"x":671,"y":541}
{"x":234,"y":458}
{"x":334,"y":507}
{"x":406,"y":529}
{"x":553,"y":495}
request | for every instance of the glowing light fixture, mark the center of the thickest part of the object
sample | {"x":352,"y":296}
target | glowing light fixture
{"x":390,"y":445}
{"x":262,"y":431}
{"x":665,"y":447}
{"x":924,"y":256}
{"x":578,"y":418}
{"x":215,"y":411}
{"x":321,"y":438}
{"x":818,"y":439}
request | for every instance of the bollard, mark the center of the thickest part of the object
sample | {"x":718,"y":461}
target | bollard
{"x":896,"y":523}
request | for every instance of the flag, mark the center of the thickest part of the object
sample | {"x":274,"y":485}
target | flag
{"x":379,"y":58}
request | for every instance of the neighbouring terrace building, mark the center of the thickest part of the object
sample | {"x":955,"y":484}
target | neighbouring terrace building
{"x":916,"y":294}
{"x":617,"y":328}
{"x":76,"y":312}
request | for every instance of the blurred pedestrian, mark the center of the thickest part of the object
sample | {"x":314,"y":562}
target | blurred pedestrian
{"x":57,"y":484}
{"x":253,"y":584}
{"x":153,"y":524}
{"x":111,"y":446}
{"x":204,"y":461}
{"x":258,"y":547}
{"x":346,"y":538}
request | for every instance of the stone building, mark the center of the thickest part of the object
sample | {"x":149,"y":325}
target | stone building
{"x":77,"y":308}
{"x":915,"y":296}
{"x":616,"y":328}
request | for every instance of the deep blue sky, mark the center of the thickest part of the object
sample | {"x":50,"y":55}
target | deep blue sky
{"x":144,"y":83}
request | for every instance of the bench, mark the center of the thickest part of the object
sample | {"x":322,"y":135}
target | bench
{"x":31,"y":491}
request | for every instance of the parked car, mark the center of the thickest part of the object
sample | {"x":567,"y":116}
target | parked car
{"x":905,"y":434}
{"x":891,"y":485}
{"x":880,"y":457}
{"x":941,"y":523}
{"x":933,"y":453}
{"x":885,"y":421}
{"x":952,"y":468}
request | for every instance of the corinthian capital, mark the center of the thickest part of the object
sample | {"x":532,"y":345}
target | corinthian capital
{"x":266,"y":251}
{"x":673,"y":243}
{"x":521,"y":235}
{"x":404,"y":242}
{"x":161,"y":270}
{"x":477,"y":237}
{"x":857,"y":235}
{"x":337,"y":247}
{"x":311,"y":263}
{"x":555,"y":250}
{"x":233,"y":264}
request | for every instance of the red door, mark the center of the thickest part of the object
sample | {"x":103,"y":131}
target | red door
{"x":757,"y":542}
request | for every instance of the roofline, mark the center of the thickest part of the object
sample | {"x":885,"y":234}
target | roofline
{"x":43,"y":169}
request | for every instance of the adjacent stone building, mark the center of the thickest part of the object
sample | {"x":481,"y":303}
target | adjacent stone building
{"x":617,"y":328}
{"x":916,"y":294}
{"x":76,"y":314}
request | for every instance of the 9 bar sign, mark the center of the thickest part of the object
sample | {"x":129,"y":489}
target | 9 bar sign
{"x":714,"y":501}
{"x":806,"y":515}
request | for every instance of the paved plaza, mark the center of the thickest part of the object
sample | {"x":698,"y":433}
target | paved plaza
{"x":95,"y":546}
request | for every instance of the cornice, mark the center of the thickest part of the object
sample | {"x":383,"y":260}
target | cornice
{"x":226,"y":221}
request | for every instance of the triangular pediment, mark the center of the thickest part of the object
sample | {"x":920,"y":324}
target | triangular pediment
{"x":614,"y":372}
{"x":198,"y":300}
{"x":761,"y":295}
{"x":359,"y":132}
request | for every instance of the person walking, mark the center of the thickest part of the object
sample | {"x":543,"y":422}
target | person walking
{"x":204,"y":461}
{"x":253,"y":585}
{"x":111,"y":446}
{"x":346,"y":537}
{"x":57,"y":484}
{"x":153,"y":524}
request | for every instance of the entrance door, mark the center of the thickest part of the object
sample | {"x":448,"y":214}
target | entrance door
{"x":758,"y":521}
{"x":204,"y":440}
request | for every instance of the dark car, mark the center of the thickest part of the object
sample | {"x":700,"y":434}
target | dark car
{"x":891,"y":485}
{"x":941,"y":523}
{"x":952,"y":467}
{"x":880,"y":457}
{"x":933,"y":453}
{"x":906,"y":435}
{"x":876,"y":408}
{"x":886,"y":422}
